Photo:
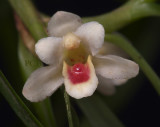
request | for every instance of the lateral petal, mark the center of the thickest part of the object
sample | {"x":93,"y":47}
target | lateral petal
{"x":115,"y":67}
{"x":50,"y":50}
{"x":42,"y":83}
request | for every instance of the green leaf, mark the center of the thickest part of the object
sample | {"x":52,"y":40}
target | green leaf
{"x":97,"y":112}
{"x":28,"y":63}
{"x":17,"y":104}
{"x":26,"y":9}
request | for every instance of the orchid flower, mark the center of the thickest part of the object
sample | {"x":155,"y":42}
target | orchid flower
{"x":72,"y":53}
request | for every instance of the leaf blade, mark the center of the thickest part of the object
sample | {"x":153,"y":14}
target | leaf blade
{"x":17,"y":104}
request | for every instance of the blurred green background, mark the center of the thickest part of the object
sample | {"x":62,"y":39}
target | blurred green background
{"x":135,"y":103}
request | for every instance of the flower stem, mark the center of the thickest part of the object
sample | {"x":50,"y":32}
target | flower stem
{"x":125,"y":14}
{"x":68,"y":107}
{"x":128,"y":48}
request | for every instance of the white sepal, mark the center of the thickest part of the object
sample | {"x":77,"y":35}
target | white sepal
{"x":42,"y":83}
{"x":106,"y":86}
{"x":62,"y":23}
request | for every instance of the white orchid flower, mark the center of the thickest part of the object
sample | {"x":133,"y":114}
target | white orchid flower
{"x":72,"y":53}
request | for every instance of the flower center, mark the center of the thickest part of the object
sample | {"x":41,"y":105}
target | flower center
{"x":78,"y":68}
{"x":75,"y":56}
{"x":78,"y":73}
{"x":71,"y":41}
{"x":75,"y":51}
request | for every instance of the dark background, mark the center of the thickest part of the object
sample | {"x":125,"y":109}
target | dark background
{"x":143,"y":108}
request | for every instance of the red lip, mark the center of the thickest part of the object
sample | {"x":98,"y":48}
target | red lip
{"x":78,"y":73}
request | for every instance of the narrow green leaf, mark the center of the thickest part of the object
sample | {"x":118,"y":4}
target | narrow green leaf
{"x":17,"y":104}
{"x":28,"y":14}
{"x":28,"y":63}
{"x":97,"y":112}
{"x":128,"y":48}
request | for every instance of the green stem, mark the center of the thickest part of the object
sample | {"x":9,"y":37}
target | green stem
{"x":128,"y":48}
{"x":17,"y":104}
{"x":28,"y":14}
{"x":68,"y":106}
{"x":129,"y":12}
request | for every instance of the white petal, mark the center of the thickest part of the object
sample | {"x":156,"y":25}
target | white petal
{"x":62,"y":23}
{"x":83,"y":89}
{"x":42,"y":83}
{"x":112,"y":49}
{"x":114,"y":67}
{"x":118,"y":82}
{"x":106,"y":86}
{"x":92,"y":35}
{"x":50,"y":50}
